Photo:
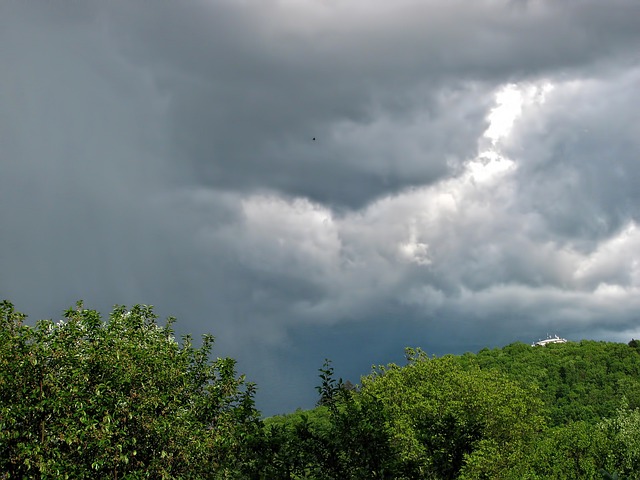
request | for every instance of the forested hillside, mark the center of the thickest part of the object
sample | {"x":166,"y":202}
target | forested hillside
{"x":122,"y":398}
{"x":579,"y":380}
{"x":563,"y":411}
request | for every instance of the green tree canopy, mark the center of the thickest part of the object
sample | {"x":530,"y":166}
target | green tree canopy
{"x":453,"y":421}
{"x":119,"y":398}
{"x":579,"y":381}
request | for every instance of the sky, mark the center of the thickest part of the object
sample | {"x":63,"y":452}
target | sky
{"x":474,"y":178}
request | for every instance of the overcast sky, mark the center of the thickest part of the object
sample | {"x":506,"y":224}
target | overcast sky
{"x":474,"y":178}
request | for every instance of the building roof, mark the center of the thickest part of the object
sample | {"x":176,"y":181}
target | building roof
{"x":548,"y":340}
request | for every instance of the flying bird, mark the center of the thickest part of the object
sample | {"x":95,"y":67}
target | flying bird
{"x":314,"y":139}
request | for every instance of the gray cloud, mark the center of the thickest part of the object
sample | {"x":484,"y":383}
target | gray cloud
{"x":162,"y":153}
{"x":248,"y":83}
{"x":578,"y":152}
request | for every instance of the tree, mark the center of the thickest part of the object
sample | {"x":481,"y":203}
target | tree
{"x":623,"y":431}
{"x":86,"y":398}
{"x":577,"y":450}
{"x":451,"y":421}
{"x":346,"y":436}
{"x":359,"y":442}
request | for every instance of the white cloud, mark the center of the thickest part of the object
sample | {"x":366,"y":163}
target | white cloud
{"x":295,"y":235}
{"x":614,"y":265}
{"x":414,"y":250}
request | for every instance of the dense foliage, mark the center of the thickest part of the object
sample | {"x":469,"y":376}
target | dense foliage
{"x":121,"y":398}
{"x":578,"y":380}
{"x":564,"y":411}
{"x":118,"y":399}
{"x":451,"y":420}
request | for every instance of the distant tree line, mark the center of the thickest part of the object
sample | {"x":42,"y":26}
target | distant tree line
{"x":121,"y":398}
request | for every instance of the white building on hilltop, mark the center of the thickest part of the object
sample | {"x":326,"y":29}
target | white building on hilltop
{"x":548,"y":340}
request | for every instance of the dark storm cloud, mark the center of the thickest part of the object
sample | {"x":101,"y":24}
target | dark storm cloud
{"x":248,"y":82}
{"x":162,"y":153}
